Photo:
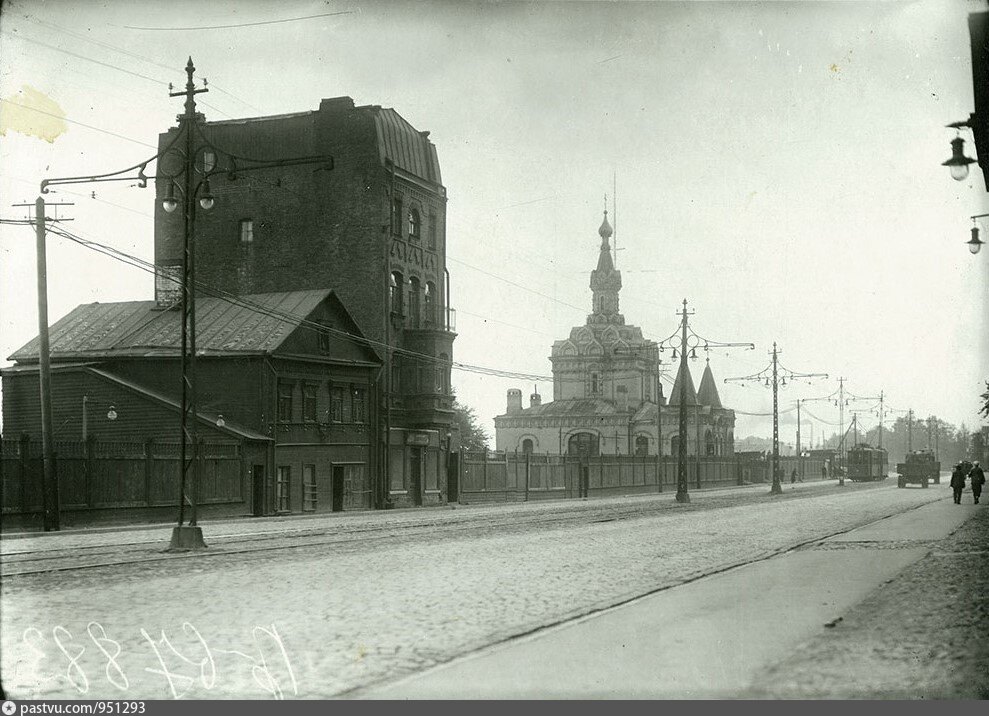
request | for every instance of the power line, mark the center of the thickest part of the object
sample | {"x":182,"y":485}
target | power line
{"x":242,"y":24}
{"x":128,"y":53}
{"x":72,"y":121}
{"x":281,"y":315}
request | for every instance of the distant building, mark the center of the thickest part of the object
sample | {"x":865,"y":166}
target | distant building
{"x":372,"y":228}
{"x":606,"y":390}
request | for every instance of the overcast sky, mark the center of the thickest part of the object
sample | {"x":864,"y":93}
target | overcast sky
{"x":777,"y":164}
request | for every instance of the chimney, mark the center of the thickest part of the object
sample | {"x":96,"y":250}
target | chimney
{"x":535,"y":399}
{"x":514,"y":401}
{"x":336,"y":104}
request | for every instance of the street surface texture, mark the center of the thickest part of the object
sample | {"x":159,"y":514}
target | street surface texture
{"x":923,"y":635}
{"x":388,"y":595}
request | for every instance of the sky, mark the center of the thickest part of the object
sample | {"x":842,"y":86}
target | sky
{"x":778,"y":165}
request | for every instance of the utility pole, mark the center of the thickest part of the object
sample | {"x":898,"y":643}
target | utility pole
{"x":779,"y":378}
{"x":800,"y":453}
{"x":50,"y":507}
{"x":685,"y":339}
{"x":841,"y":429}
{"x":910,"y":430}
{"x":682,"y":494}
{"x":195,"y":190}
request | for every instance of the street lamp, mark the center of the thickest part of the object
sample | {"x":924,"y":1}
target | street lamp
{"x":975,"y":243}
{"x":958,"y":163}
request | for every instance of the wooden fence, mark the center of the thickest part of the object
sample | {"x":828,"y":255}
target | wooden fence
{"x":498,"y":476}
{"x":94,"y":475}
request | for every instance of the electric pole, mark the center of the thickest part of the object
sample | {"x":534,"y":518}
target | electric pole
{"x":779,"y":378}
{"x":51,"y":511}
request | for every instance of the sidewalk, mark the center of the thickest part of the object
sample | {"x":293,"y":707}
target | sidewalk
{"x":692,"y":642}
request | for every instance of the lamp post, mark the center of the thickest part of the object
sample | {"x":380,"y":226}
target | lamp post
{"x":185,"y":165}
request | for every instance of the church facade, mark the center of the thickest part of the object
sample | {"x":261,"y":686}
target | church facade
{"x":607,"y":391}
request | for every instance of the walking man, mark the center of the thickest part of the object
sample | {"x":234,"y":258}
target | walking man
{"x":958,"y":482}
{"x":978,"y":476}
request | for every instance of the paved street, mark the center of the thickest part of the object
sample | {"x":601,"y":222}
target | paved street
{"x":339,"y":616}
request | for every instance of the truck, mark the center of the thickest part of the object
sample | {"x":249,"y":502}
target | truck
{"x":920,"y":468}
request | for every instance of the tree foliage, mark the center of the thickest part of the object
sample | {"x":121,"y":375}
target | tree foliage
{"x":473,"y":435}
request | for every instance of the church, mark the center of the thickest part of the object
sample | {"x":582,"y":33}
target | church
{"x":607,"y":390}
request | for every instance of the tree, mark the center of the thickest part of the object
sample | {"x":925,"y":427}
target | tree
{"x":984,"y":410}
{"x":473,"y":436}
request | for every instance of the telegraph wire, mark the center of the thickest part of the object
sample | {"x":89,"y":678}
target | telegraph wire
{"x":73,"y":121}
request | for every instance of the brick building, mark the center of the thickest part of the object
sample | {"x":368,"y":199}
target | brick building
{"x":372,"y":228}
{"x":279,"y":378}
{"x":606,"y":390}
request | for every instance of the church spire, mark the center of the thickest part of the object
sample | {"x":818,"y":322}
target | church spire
{"x":606,"y":281}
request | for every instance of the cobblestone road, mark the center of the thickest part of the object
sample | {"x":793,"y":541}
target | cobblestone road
{"x":320,"y":621}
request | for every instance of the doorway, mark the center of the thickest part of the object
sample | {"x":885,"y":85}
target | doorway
{"x":415,"y":475}
{"x":336,"y":494}
{"x":257,"y":490}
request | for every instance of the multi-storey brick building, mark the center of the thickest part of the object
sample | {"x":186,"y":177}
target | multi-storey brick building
{"x":371,"y":227}
{"x":606,"y":390}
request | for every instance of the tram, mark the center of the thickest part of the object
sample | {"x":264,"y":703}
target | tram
{"x":866,"y":463}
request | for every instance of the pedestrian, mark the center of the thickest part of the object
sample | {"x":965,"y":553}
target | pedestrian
{"x":978,"y":477}
{"x":793,"y":476}
{"x":958,"y":483}
{"x":824,"y":471}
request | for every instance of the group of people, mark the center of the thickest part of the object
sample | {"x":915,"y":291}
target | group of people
{"x":975,"y":474}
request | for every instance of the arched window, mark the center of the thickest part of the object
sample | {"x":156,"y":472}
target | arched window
{"x":583,"y":444}
{"x":527,"y":446}
{"x":414,"y":301}
{"x":595,"y":384}
{"x":414,"y":224}
{"x":429,"y":316}
{"x":395,"y":287}
{"x":709,"y":443}
{"x":641,"y":445}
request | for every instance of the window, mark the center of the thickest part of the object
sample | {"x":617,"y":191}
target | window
{"x":413,"y":224}
{"x":285,"y":402}
{"x":336,"y":404}
{"x":396,"y":217}
{"x":282,"y":488}
{"x":414,"y":301}
{"x":641,"y":445}
{"x":396,"y":375}
{"x":583,"y":444}
{"x":309,"y":488}
{"x":527,"y":446}
{"x":709,"y":443}
{"x":595,"y":384}
{"x":429,"y":315}
{"x":395,"y":289}
{"x":209,"y":161}
{"x":309,"y":403}
{"x":359,"y":412}
{"x":443,"y":375}
{"x":431,"y":232}
{"x":246,"y":231}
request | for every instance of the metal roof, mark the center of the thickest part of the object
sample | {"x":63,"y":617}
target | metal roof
{"x":406,"y":146}
{"x":140,"y":328}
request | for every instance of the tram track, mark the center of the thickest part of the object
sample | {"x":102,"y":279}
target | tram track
{"x":143,"y":552}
